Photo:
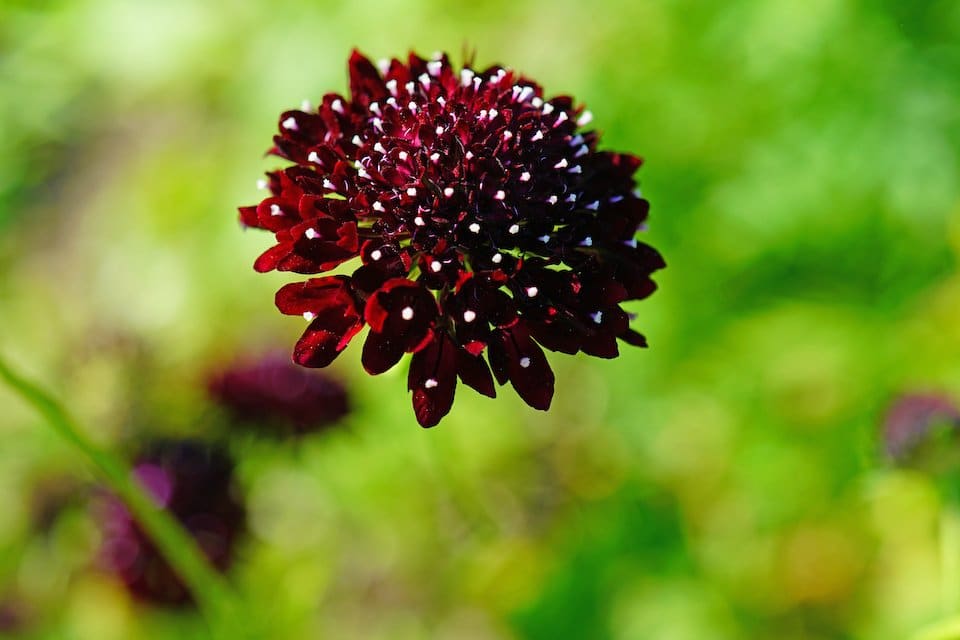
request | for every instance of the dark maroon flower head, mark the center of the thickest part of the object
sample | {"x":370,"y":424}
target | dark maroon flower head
{"x":272,"y":392}
{"x":194,"y":482}
{"x":487,"y":223}
{"x":910,"y":432}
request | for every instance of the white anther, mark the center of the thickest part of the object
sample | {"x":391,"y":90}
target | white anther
{"x":525,"y":93}
{"x":524,"y":362}
{"x":376,"y":254}
{"x":403,"y":156}
{"x":493,"y":113}
{"x":474,"y":227}
{"x":561,"y":118}
{"x":441,"y":101}
{"x":587,"y":242}
{"x":275,"y":210}
{"x":632,"y":242}
{"x":552,"y":200}
{"x":469,"y":315}
{"x":430,"y":383}
{"x":435,"y":266}
{"x":547,"y":108}
{"x":378,"y":206}
{"x":309,"y":315}
{"x":392,"y":102}
{"x":412,"y":191}
{"x":560,"y":165}
{"x":615,"y":199}
{"x":507,"y":135}
{"x":375,"y":107}
{"x":439,"y":130}
{"x":544,"y":239}
{"x":419,"y":221}
{"x":584,"y":118}
{"x":409,"y":87}
{"x":468,"y":155}
{"x":379,"y":147}
{"x":356,"y":140}
{"x":313,"y":157}
{"x":377,"y":124}
{"x":290,"y":124}
{"x":597,"y":317}
{"x":383,"y":64}
{"x":499,"y":195}
{"x":525,"y":176}
{"x":337,"y":105}
{"x":532,"y":292}
{"x":362,"y":173}
{"x":311,"y":233}
{"x":514,"y":228}
{"x":448,"y":191}
{"x":406,"y":313}
{"x":482,"y":114}
{"x":306,"y":105}
{"x":434,"y":156}
{"x":575,"y":169}
{"x":537,"y":102}
{"x":261,"y":184}
{"x":575,"y":140}
{"x":537,"y":136}
{"x":497,"y":258}
{"x":412,"y":106}
{"x":582,"y":151}
{"x":434,"y":68}
{"x":466,"y":76}
{"x":392,"y":87}
{"x":571,"y":198}
{"x":594,"y":205}
{"x":329,"y":185}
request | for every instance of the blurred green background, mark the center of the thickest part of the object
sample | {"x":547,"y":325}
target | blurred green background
{"x":802,"y":164}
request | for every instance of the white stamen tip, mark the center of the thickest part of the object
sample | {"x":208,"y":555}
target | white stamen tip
{"x":378,"y":206}
{"x":356,"y":140}
{"x":403,"y":156}
{"x":525,"y":176}
{"x":497,"y":258}
{"x":439,"y":130}
{"x":507,"y":135}
{"x":275,"y":210}
{"x":474,"y":227}
{"x":587,"y":242}
{"x":537,"y":102}
{"x":311,"y":233}
{"x":469,"y":315}
{"x":406,"y":313}
{"x":376,"y":254}
{"x":289,"y":124}
{"x":412,"y":105}
{"x":434,"y":156}
{"x":379,"y":148}
{"x":575,"y":169}
{"x":409,"y":87}
{"x":412,"y":192}
{"x":561,"y":118}
{"x":418,"y":221}
{"x":448,"y":191}
{"x":597,"y":317}
{"x":532,"y":292}
{"x":493,"y":113}
{"x":306,"y":105}
{"x":468,"y":155}
{"x":328,"y":185}
{"x":524,"y":362}
{"x":499,"y":195}
{"x":435,"y":266}
{"x":544,"y":239}
{"x":313,"y":157}
{"x":547,"y":108}
{"x":552,"y":200}
{"x":561,"y":164}
{"x":337,"y":105}
{"x":434,"y":68}
{"x":514,"y":228}
{"x":584,"y":118}
{"x":261,"y":184}
{"x":309,"y":315}
{"x":594,"y":205}
{"x":392,"y":86}
{"x":466,"y":76}
{"x":537,"y":136}
{"x":430,"y":383}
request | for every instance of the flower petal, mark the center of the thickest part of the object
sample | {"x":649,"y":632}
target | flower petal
{"x":433,"y":380}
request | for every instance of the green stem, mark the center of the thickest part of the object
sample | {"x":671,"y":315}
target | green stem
{"x":212,"y":593}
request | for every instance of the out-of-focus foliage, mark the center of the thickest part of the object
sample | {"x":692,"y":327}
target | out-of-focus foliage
{"x":803,"y":163}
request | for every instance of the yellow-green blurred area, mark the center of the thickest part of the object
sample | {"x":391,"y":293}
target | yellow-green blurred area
{"x":803,"y":165}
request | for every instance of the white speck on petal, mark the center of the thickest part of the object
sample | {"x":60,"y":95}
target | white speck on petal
{"x":524,"y":362}
{"x":514,"y":228}
{"x":378,"y":206}
{"x":313,"y":157}
{"x":587,"y":242}
{"x":469,"y":315}
{"x":493,"y":113}
{"x":411,"y":191}
{"x":434,"y":68}
{"x":430,"y":383}
{"x":571,"y":198}
{"x":561,"y":118}
{"x":418,"y":221}
{"x":537,"y":136}
{"x":499,"y":195}
{"x":632,"y":242}
{"x":448,"y":191}
{"x":309,"y":315}
{"x":547,"y":108}
{"x":532,"y":292}
{"x":597,"y":317}
{"x":560,"y":165}
{"x":507,"y":134}
{"x":582,"y":151}
{"x":439,"y":130}
{"x":594,"y":205}
{"x":392,"y":86}
{"x":376,"y":254}
{"x":537,"y":102}
{"x":575,"y":169}
{"x":356,"y":140}
{"x":290,"y":124}
{"x":403,"y":156}
{"x":544,"y":239}
{"x":311,"y":233}
{"x":497,"y":258}
{"x":275,"y":210}
{"x":409,"y":87}
{"x":525,"y":176}
{"x":466,"y":76}
{"x":552,"y":200}
{"x":328,"y":185}
{"x":337,"y":105}
{"x":435,"y":266}
{"x":412,"y":106}
{"x":379,"y":147}
{"x":406,"y":313}
{"x":525,"y":93}
{"x":434,"y":156}
{"x":474,"y":227}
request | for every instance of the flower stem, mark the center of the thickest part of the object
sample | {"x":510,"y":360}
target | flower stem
{"x":213,"y":595}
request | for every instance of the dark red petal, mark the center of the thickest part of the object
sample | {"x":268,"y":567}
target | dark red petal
{"x":326,"y":337}
{"x":475,"y":373}
{"x":381,"y":352}
{"x":433,"y":380}
{"x":530,"y":373}
{"x":634,"y":338}
{"x":366,"y":85}
{"x":270,"y":258}
{"x":314,"y":296}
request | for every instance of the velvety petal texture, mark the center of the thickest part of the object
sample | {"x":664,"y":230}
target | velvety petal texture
{"x":485,"y":224}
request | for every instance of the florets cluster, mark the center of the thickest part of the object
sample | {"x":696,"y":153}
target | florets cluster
{"x":488,"y":226}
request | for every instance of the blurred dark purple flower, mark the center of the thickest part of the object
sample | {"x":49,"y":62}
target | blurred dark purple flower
{"x":911,"y":421}
{"x":485,"y":218}
{"x":194,"y":482}
{"x":272,"y":391}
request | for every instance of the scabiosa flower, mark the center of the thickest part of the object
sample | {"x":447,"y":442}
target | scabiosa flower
{"x":487,"y":223}
{"x":271,"y":391}
{"x":910,"y":431}
{"x":193,"y":481}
